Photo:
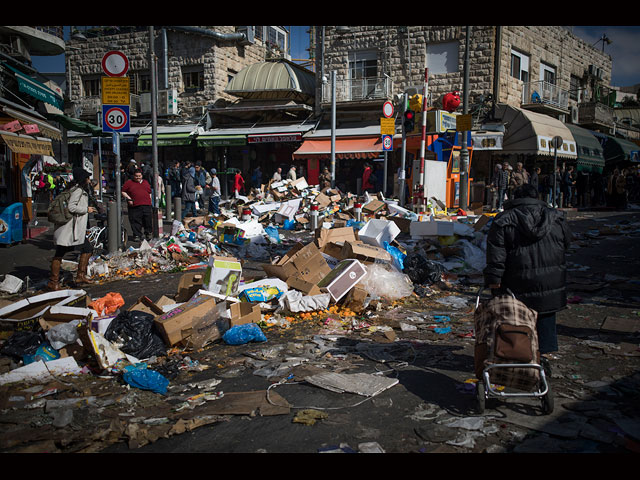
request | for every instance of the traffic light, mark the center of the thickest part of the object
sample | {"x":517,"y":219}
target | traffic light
{"x":409,"y":120}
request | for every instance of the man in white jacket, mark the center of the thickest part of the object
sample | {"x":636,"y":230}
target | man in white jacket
{"x":73,"y":234}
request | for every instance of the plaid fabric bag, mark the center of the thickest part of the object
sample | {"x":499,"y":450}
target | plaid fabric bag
{"x":506,"y":333}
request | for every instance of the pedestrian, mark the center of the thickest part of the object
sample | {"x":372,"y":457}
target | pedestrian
{"x":292,"y":175}
{"x":131,"y":169}
{"x":200,"y":182}
{"x":568,"y":186}
{"x":238,"y":184}
{"x":325,"y":179}
{"x":502,"y":184}
{"x":535,"y":179}
{"x":621,"y":189}
{"x":188,"y":194}
{"x":214,"y":199}
{"x":137,"y":192}
{"x":519,"y":177}
{"x":277,"y":175}
{"x":73,"y":234}
{"x":175,"y":180}
{"x":367,"y":186}
{"x":256,"y":178}
{"x":509,"y":170}
{"x":525,"y":255}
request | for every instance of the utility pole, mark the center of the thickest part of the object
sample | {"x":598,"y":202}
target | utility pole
{"x":464,"y":150}
{"x":401,"y":175}
{"x":333,"y":129}
{"x":154,"y":136}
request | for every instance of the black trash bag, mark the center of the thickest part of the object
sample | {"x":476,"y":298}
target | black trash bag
{"x":22,"y":343}
{"x":135,"y":331}
{"x":422,"y":270}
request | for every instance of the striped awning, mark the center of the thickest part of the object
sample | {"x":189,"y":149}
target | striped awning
{"x":590,"y":153}
{"x":345,"y":147}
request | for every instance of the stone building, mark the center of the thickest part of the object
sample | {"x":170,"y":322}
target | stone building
{"x":530,"y":78}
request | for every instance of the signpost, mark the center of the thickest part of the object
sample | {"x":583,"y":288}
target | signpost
{"x":115,"y":117}
{"x":387,"y":130}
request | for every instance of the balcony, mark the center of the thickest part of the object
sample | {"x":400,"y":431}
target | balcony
{"x":545,"y":97}
{"x":595,"y":115}
{"x":359,"y":90}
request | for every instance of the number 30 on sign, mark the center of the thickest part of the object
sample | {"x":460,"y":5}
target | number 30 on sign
{"x":115,"y":118}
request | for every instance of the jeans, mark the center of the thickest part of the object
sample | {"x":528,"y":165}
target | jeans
{"x":189,"y":207}
{"x":501,"y":193}
{"x":214,"y":204}
{"x":547,"y":337}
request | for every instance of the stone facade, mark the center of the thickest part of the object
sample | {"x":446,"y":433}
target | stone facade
{"x":216,"y":59}
{"x":401,"y":54}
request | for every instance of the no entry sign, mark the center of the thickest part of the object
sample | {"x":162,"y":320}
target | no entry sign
{"x":115,"y":63}
{"x":115,"y":118}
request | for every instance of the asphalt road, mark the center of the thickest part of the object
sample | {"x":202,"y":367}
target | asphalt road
{"x":432,"y":407}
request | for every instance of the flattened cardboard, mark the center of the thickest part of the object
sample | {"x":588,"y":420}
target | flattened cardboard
{"x":144,"y":304}
{"x":326,"y":235}
{"x":36,"y":305}
{"x":364,"y":252}
{"x":373,"y":207}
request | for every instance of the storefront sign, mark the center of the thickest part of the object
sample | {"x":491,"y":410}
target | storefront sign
{"x":275,"y":137}
{"x":28,"y":145}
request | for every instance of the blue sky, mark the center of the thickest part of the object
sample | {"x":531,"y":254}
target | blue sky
{"x":624,"y":50}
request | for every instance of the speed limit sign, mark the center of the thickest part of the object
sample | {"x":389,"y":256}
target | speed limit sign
{"x":387,"y":143}
{"x":115,"y":118}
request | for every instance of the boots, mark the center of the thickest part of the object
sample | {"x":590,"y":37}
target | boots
{"x":54,"y":278}
{"x":83,"y":264}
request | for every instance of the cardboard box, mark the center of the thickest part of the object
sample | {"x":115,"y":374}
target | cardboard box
{"x":244,"y":312}
{"x":33,"y":307}
{"x":208,"y":327}
{"x":431,"y":228}
{"x":356,"y":298}
{"x":326,"y":235}
{"x":343,"y":278}
{"x":177,"y":324}
{"x":189,"y":284}
{"x":144,"y":304}
{"x":223,"y":275}
{"x":364,"y":252}
{"x":231,"y":234}
{"x":297,"y":283}
{"x":303,"y":261}
{"x":376,"y":232}
{"x":373,"y":207}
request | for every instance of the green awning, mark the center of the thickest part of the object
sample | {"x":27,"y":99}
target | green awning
{"x":618,"y":150}
{"x":76,"y":125}
{"x":221,"y":140}
{"x":36,"y":89}
{"x":166,"y":139}
{"x":590,"y":153}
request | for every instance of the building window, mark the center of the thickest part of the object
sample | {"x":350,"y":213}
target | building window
{"x":363,"y":65}
{"x":547,"y":73}
{"x":575,"y":88}
{"x":442,"y":57}
{"x":520,"y":66}
{"x":91,"y":86}
{"x":277,"y":37}
{"x":193,"y":78}
{"x":139,"y":83}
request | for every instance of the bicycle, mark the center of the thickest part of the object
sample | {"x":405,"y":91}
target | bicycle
{"x":98,"y":235}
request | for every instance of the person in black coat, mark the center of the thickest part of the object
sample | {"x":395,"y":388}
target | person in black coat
{"x":526,"y":247}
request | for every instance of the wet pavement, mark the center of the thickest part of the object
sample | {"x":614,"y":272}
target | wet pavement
{"x":401,"y":385}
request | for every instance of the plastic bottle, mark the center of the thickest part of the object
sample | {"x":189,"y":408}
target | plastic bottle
{"x":357,"y":208}
{"x":314,"y":217}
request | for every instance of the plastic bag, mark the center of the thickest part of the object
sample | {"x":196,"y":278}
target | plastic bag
{"x":274,"y":236}
{"x":108,"y":304}
{"x":63,"y":334}
{"x":44,"y":353}
{"x":134,"y":332}
{"x":241,"y":334}
{"x":22,"y":343}
{"x":382,"y":281}
{"x":474,"y":256}
{"x":397,"y":256}
{"x":422,"y":270}
{"x":146,"y":379}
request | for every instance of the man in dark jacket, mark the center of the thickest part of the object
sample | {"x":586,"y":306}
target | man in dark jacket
{"x":526,"y":248}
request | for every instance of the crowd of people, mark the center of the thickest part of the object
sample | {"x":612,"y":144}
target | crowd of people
{"x":566,"y":188}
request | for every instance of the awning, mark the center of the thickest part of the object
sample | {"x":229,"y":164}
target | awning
{"x":166,"y":139}
{"x":46,"y":130}
{"x":27,"y":144}
{"x":212,"y":140}
{"x":77,"y":125}
{"x":345,"y":147}
{"x":487,"y":140}
{"x":531,"y":133}
{"x":36,"y":89}
{"x":618,"y":150}
{"x":590,"y":154}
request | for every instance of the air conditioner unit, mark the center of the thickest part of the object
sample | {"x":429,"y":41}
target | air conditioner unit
{"x":168,"y":102}
{"x":145,"y":104}
{"x":249,"y":32}
{"x":574,"y":114}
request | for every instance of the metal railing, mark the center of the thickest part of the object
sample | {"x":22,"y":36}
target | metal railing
{"x":55,"y":31}
{"x":369,"y":88}
{"x":545,"y":93}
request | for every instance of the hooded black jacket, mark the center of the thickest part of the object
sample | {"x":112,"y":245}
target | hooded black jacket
{"x":526,"y":248}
